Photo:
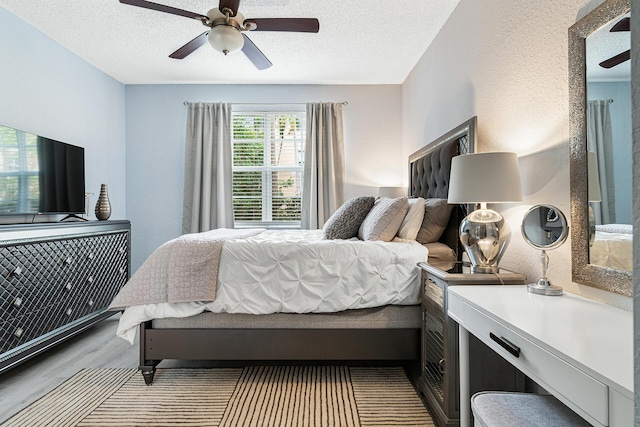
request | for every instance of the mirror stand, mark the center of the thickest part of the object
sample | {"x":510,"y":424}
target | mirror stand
{"x":544,"y":227}
{"x":544,"y":286}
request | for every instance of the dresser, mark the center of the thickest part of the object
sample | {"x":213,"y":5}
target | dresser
{"x":579,"y":350}
{"x":439,"y":377}
{"x":56,"y":280}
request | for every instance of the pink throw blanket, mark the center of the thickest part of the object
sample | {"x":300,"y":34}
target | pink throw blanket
{"x":184,"y":269}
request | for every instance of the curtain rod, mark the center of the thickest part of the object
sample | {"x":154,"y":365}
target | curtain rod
{"x":345,"y":103}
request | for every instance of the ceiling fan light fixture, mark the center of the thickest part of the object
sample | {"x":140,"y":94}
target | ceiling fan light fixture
{"x":226,"y":39}
{"x":225,"y":35}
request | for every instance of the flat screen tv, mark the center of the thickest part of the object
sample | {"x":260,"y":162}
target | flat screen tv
{"x":39,"y":175}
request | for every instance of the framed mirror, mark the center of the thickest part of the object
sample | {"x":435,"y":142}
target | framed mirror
{"x":601,"y":212}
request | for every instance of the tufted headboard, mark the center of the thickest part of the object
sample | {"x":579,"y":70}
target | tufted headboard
{"x":429,"y":170}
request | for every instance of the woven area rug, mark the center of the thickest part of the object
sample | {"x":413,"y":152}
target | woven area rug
{"x":297,"y":396}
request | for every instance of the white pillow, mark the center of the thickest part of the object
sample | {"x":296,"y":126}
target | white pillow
{"x":384,"y":219}
{"x":413,"y":220}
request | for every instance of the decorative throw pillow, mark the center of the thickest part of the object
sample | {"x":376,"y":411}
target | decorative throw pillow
{"x":345,"y":221}
{"x":413,"y":220}
{"x":436,"y":218}
{"x":384,"y":219}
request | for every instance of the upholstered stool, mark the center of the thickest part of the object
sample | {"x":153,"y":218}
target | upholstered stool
{"x":498,"y":409}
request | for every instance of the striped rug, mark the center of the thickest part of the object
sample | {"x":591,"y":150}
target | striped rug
{"x":296,"y":396}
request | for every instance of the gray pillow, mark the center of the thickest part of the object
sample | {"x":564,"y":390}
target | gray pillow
{"x":384,"y":220}
{"x":345,"y":222}
{"x":436,"y":217}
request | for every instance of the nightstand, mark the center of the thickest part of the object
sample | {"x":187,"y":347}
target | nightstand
{"x":438,"y":381}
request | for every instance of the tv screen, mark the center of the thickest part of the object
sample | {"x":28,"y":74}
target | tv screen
{"x":39,"y":175}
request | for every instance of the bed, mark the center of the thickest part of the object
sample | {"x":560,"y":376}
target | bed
{"x":613,"y":246}
{"x":380,"y":330}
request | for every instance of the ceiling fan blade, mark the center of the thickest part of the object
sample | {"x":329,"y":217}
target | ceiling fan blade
{"x":615,"y":60}
{"x":163,"y":8}
{"x":302,"y":25}
{"x":622,"y":25}
{"x":190,"y":47}
{"x":254,"y":54}
{"x":229,"y":4}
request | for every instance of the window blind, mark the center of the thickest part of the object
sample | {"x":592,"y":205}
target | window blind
{"x":268,"y":163}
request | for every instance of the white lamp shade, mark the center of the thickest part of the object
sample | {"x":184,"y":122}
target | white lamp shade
{"x":392,"y":192}
{"x":226,"y":39}
{"x":593,"y":178}
{"x":492,"y":177}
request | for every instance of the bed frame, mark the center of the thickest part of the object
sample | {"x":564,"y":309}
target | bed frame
{"x":428,"y":177}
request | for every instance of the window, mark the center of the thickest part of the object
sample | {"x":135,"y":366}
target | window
{"x":19,"y":176}
{"x":268,"y":164}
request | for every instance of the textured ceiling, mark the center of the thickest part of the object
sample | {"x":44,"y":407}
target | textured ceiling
{"x":360,"y":41}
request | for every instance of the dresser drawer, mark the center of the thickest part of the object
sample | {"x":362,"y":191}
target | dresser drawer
{"x":578,"y":390}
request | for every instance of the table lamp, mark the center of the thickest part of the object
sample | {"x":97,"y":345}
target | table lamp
{"x":482,"y":178}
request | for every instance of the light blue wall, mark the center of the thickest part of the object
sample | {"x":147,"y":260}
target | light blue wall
{"x":620,"y":108}
{"x":156,"y":122}
{"x":47,"y":90}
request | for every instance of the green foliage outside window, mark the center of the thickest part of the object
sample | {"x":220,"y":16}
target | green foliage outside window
{"x":263,"y":149}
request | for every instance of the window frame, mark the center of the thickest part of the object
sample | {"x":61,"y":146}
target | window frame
{"x":266,"y":169}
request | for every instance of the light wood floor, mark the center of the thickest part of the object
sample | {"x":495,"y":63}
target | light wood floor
{"x":97,"y":347}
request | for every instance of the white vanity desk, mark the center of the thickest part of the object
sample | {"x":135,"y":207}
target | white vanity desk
{"x":579,"y":350}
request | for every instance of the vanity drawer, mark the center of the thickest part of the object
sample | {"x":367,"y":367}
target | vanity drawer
{"x":578,"y":390}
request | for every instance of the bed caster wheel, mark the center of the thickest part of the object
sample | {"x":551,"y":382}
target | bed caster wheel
{"x":148,"y":376}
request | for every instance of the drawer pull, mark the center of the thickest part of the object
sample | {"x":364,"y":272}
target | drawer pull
{"x":16,"y":271}
{"x":17,"y":303}
{"x":506,"y":344}
{"x":18,"y":332}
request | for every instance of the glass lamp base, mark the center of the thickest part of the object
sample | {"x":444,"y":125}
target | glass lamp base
{"x":484,"y":235}
{"x":479,"y":269}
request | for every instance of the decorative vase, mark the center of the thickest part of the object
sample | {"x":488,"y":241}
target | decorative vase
{"x":103,"y":207}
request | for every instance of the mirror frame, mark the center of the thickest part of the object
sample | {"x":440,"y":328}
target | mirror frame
{"x":608,"y":279}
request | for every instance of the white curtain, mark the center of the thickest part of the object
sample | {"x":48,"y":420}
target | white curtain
{"x":208,"y":191}
{"x":324,"y":176}
{"x":600,"y":141}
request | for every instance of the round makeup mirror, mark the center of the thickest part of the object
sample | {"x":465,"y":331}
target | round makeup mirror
{"x":544,"y":227}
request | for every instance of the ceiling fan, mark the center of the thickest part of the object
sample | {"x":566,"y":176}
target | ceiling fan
{"x":622,"y":25}
{"x":227,"y":27}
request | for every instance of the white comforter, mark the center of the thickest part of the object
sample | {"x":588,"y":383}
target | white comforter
{"x":298,"y":272}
